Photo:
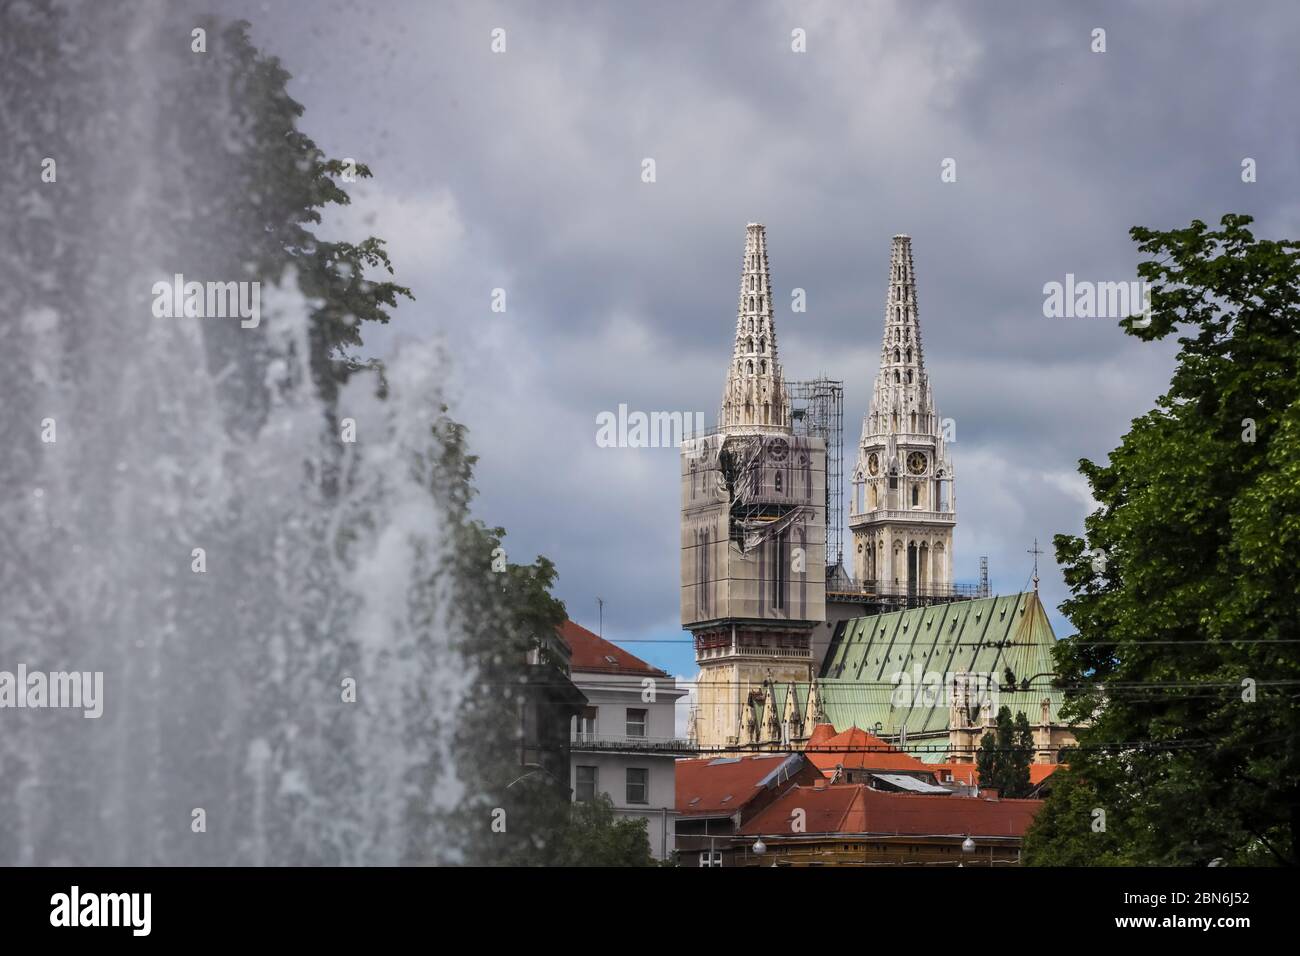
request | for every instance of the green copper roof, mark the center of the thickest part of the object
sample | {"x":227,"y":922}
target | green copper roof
{"x":860,"y":680}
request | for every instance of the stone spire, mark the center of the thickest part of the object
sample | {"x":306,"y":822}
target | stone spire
{"x":755,"y":398}
{"x":904,"y":505}
{"x":902,"y":400}
{"x":901,"y":322}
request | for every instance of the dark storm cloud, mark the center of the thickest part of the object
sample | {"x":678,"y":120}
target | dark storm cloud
{"x":521,"y":171}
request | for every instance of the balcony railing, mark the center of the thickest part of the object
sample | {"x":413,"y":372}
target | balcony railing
{"x":592,"y":741}
{"x":913,"y":514}
{"x":745,"y":650}
{"x":889,"y":589}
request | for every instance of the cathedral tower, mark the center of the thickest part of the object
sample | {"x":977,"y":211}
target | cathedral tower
{"x":753,"y":527}
{"x":904,"y":508}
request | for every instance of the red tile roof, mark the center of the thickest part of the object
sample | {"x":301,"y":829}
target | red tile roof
{"x":856,"y":808}
{"x":967,"y":774}
{"x":722,"y":785}
{"x":1038,"y":772}
{"x":961,"y":773}
{"x":593,"y":653}
{"x":868,"y":752}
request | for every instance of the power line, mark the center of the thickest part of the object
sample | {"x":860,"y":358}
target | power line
{"x":1060,"y":640}
{"x":826,"y":690}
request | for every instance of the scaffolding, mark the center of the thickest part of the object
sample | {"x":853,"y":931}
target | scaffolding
{"x":817,"y":411}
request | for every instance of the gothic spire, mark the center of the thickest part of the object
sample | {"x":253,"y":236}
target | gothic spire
{"x":901,"y":400}
{"x":755,"y":396}
{"x":902,"y":324}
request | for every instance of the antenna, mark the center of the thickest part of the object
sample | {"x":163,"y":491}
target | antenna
{"x":984,"y":575}
{"x":600,"y":617}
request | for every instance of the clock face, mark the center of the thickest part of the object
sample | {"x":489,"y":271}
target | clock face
{"x":778,"y":450}
{"x":873,"y":464}
{"x":916,"y":463}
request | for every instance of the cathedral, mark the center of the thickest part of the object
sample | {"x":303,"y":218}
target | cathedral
{"x":930,"y":666}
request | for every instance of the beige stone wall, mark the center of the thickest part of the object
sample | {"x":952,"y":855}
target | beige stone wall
{"x":724,"y":687}
{"x":778,"y":579}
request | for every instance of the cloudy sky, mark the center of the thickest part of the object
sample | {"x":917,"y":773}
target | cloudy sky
{"x":522,"y":170}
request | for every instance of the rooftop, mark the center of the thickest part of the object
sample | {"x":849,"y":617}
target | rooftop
{"x":860,"y":679}
{"x":869,"y":752}
{"x":592,"y":653}
{"x":722,"y":785}
{"x":856,"y":808}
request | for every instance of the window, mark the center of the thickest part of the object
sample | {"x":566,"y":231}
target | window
{"x":638,"y":785}
{"x":587,"y":723}
{"x":585,"y":788}
{"x":636,"y":722}
{"x":711,"y":858}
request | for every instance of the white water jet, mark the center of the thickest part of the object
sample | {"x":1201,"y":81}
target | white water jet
{"x":222,"y":685}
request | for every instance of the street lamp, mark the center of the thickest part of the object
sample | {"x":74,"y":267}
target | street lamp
{"x":968,"y":846}
{"x":759,"y":847}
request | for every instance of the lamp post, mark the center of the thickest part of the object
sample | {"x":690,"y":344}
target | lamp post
{"x":759,"y":847}
{"x":967,"y":848}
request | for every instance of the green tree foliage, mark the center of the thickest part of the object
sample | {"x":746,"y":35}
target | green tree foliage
{"x":595,"y":835}
{"x":1005,"y":754}
{"x":1184,"y":589}
{"x":1073,"y":829}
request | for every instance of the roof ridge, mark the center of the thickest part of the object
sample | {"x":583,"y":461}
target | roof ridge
{"x":604,"y":646}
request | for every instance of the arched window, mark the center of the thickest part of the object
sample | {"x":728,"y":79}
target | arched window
{"x":749,"y":366}
{"x":762,"y":366}
{"x":895,"y":355}
{"x":909,"y":381}
{"x":896,"y":377}
{"x":916,"y":496}
{"x":909,"y":355}
{"x":762,"y":343}
{"x":751,"y":345}
{"x":751,"y":326}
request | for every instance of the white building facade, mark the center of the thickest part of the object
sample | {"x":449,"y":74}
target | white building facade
{"x":624,"y":744}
